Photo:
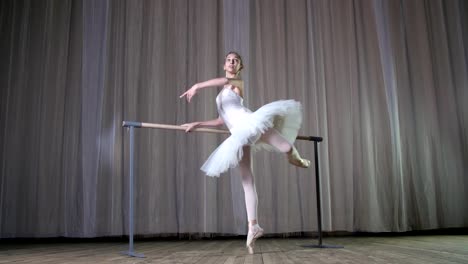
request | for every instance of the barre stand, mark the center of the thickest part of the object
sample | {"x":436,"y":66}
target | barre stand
{"x":130,"y":251}
{"x":131,"y":125}
{"x":319,"y":204}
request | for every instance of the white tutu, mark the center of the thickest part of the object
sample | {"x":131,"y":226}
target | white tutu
{"x":246,"y":128}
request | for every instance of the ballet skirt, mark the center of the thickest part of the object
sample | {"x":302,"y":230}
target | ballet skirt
{"x":246,"y":128}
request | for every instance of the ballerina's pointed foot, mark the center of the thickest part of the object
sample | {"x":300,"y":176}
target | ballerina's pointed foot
{"x":251,"y":249}
{"x":296,"y":160}
{"x":255,"y":232}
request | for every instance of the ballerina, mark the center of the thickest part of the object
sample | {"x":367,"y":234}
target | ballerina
{"x":272,"y":127}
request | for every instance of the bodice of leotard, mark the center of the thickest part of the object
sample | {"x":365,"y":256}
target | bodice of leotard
{"x":230,"y":107}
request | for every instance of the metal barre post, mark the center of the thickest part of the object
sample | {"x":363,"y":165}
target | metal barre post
{"x":130,"y":251}
{"x":318,"y":197}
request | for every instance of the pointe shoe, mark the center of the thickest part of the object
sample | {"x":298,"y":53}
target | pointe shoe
{"x":251,"y":249}
{"x":295,"y":159}
{"x":255,"y":232}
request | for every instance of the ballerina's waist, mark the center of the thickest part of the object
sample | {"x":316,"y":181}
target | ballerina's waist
{"x":235,"y":116}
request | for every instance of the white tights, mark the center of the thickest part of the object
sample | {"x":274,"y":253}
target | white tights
{"x":248,"y":184}
{"x":273,"y":138}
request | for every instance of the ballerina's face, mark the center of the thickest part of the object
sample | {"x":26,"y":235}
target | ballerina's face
{"x":233,"y":64}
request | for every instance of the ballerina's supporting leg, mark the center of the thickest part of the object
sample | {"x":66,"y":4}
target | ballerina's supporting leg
{"x":275,"y":139}
{"x":248,"y":183}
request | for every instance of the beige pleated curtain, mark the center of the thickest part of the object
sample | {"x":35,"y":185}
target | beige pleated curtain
{"x":384,"y":82}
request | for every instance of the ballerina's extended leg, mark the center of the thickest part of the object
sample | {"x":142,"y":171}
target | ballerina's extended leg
{"x":275,"y":139}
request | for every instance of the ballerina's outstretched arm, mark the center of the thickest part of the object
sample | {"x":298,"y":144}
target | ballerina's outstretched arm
{"x":210,"y":83}
{"x":210,"y":123}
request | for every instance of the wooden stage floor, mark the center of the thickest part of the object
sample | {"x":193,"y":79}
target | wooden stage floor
{"x":379,"y":249}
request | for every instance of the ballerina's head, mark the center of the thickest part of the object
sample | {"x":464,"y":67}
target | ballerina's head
{"x":233,"y":65}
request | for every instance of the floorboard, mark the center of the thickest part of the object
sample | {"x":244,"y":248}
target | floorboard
{"x":363,"y":250}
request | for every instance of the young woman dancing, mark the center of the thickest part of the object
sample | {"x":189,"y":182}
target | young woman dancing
{"x":273,"y":127}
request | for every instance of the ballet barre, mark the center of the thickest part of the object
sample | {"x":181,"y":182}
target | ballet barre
{"x":207,"y":130}
{"x":131,"y":125}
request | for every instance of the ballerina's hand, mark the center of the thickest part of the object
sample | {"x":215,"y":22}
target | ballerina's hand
{"x":189,"y":93}
{"x":190,"y":126}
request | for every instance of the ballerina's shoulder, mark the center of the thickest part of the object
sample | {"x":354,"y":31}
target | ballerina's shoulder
{"x":237,"y":85}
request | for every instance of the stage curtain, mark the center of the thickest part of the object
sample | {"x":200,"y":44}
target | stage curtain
{"x":385,"y":83}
